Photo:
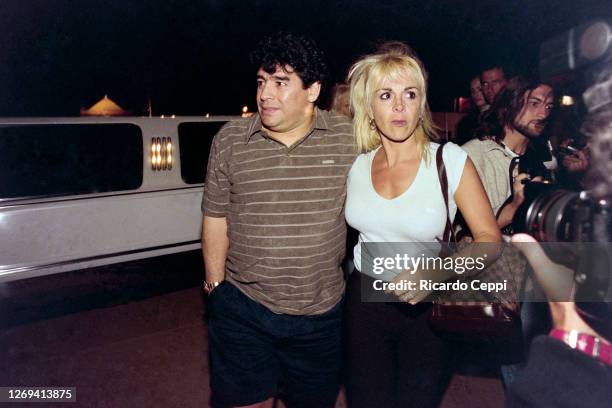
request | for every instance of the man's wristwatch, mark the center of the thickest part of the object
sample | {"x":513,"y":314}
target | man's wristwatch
{"x":208,"y":287}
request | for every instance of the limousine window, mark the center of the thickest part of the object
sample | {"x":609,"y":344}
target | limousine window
{"x":195,"y":139}
{"x":68,"y":159}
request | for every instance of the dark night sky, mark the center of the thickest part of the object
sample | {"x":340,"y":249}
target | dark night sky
{"x":191,"y":56}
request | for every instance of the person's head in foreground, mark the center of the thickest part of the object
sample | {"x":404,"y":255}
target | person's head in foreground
{"x":389,"y":100}
{"x":290,"y":74}
{"x":522,"y":108}
{"x":340,"y":100}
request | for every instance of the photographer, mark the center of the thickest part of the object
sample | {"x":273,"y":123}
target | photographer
{"x":505,"y":159}
{"x":521,"y":111}
{"x":573,"y":365}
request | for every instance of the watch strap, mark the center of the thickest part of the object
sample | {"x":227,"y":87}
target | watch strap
{"x":591,"y":345}
{"x":208,"y":287}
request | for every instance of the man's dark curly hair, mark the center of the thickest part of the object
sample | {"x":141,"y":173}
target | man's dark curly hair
{"x":301,"y":53}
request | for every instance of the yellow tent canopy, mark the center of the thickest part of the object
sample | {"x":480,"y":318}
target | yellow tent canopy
{"x":104,"y":107}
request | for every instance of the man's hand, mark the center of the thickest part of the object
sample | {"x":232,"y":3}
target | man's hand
{"x":577,"y":162}
{"x":506,"y":215}
{"x":518,"y":186}
{"x":518,"y":189}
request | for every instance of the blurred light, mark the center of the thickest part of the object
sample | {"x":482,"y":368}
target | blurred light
{"x":173,"y":116}
{"x":567,"y":100}
{"x":245,"y":112}
{"x":462,"y":104}
{"x":161,"y":153}
{"x":207,"y":115}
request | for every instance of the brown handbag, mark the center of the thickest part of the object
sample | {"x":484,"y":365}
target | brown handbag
{"x":468,"y":320}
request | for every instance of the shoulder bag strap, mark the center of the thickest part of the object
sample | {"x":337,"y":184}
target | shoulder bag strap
{"x":448,"y":229}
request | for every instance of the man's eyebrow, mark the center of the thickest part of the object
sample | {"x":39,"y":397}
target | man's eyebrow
{"x":274,"y":78}
{"x":281,"y":78}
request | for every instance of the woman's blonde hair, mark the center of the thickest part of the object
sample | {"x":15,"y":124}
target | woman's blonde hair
{"x":366,"y":76}
{"x":340,"y":95}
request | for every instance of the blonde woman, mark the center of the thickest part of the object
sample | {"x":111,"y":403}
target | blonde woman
{"x":394,"y":195}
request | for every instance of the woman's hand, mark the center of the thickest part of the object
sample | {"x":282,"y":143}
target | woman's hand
{"x":416,"y":295}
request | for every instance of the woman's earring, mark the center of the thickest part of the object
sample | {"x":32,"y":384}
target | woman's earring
{"x":372,"y":124}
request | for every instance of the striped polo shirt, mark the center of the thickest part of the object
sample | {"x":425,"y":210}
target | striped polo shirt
{"x":285,"y":211}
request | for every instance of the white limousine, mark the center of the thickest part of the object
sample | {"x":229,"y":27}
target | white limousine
{"x":82,"y":192}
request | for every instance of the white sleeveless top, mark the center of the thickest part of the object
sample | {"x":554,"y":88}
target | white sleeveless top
{"x":416,"y":215}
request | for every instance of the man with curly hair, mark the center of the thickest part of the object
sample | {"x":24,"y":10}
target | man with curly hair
{"x":274,"y":237}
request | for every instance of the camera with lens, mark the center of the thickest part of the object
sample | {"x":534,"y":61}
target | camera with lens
{"x":531,"y":164}
{"x":548,"y":213}
{"x":579,"y":221}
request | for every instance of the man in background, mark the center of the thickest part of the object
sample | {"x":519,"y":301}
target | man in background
{"x":522,"y":112}
{"x":466,"y":128}
{"x":493,"y":80}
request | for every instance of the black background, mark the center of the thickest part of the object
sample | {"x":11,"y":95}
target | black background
{"x":190,"y":56}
